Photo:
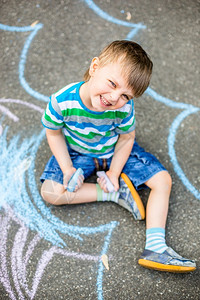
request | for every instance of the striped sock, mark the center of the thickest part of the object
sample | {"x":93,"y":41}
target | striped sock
{"x":102,"y":196}
{"x":155,"y":240}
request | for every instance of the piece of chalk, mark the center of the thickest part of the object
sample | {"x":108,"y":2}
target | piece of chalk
{"x":74,"y":179}
{"x":109,"y":184}
{"x":104,"y":259}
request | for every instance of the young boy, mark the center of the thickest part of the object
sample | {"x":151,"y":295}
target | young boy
{"x":91,"y":125}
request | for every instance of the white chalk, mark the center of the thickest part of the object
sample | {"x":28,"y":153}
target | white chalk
{"x":109,"y":184}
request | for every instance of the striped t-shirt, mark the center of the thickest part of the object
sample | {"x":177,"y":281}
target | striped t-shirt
{"x":86,"y":131}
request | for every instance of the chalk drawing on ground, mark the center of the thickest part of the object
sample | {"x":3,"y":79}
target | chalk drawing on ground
{"x":18,"y":162}
{"x":35,"y":215}
{"x":20,"y":259}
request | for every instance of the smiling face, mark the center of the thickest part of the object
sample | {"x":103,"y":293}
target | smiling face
{"x":107,"y":88}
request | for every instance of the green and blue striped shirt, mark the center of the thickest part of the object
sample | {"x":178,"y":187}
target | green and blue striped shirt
{"x":87,"y":131}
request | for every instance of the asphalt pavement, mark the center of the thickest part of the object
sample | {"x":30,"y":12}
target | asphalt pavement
{"x":51,"y":252}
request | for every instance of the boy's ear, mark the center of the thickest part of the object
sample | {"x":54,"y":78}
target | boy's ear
{"x":94,"y":65}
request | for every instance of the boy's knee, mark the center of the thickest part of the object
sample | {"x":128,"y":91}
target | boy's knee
{"x":160,"y":181}
{"x":54,"y":193}
{"x":48,"y":193}
{"x":166,"y":180}
{"x":45,"y":194}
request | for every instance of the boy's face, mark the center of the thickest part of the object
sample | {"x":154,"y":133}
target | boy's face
{"x":108,"y":89}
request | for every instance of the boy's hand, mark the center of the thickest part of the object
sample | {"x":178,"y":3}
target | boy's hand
{"x":67,"y":176}
{"x":113,"y":178}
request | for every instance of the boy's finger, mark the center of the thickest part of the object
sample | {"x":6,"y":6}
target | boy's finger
{"x":79,"y":182}
{"x":102,"y":184}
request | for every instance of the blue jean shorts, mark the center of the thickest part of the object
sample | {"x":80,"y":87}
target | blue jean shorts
{"x":140,"y":166}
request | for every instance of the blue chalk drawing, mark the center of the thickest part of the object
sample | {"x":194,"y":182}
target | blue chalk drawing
{"x":188,"y":109}
{"x":19,"y":159}
{"x":101,"y":267}
{"x":171,"y":141}
{"x":18,"y":163}
{"x":102,"y":14}
{"x":34,"y":30}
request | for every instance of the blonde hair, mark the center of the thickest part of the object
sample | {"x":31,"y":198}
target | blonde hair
{"x":136,"y":64}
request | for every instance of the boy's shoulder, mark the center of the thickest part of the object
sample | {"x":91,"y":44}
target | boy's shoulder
{"x":68,"y":92}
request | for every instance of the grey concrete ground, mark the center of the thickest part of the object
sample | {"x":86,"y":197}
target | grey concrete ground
{"x":34,"y":264}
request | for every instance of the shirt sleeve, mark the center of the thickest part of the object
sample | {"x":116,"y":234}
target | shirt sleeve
{"x":128,"y":123}
{"x":52,"y":117}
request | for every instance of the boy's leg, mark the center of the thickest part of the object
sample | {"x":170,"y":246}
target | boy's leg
{"x":53,"y":191}
{"x":158,"y":201}
{"x":127,"y":197}
{"x":56,"y":194}
{"x":157,"y":255}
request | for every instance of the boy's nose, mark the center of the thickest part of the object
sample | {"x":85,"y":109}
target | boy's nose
{"x":114,"y":97}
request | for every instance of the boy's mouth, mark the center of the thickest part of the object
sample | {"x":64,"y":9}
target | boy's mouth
{"x":104,"y":101}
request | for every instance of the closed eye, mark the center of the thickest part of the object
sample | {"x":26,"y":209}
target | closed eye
{"x":125,"y":97}
{"x":112,"y":83}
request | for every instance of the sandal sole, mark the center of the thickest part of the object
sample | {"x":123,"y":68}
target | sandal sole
{"x":167,"y":268}
{"x":135,"y":195}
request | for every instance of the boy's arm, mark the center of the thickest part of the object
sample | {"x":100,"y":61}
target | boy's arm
{"x":121,"y":154}
{"x":59,"y":149}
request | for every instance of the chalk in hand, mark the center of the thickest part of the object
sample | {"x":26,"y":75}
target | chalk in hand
{"x":74,"y":180}
{"x":109,"y":184}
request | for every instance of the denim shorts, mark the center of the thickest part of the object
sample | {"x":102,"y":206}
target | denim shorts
{"x":140,"y":166}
